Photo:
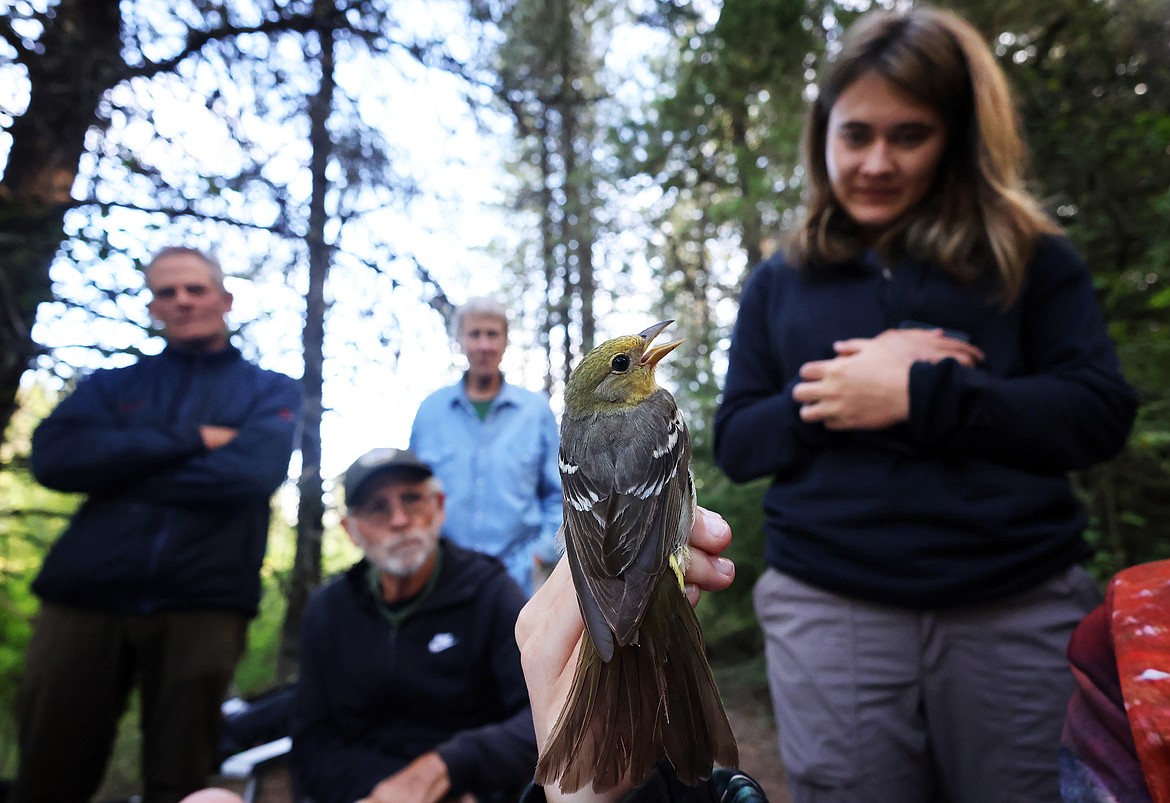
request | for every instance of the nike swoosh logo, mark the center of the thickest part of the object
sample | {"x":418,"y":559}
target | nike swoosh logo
{"x":440,"y":642}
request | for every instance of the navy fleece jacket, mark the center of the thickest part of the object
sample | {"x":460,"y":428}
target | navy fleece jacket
{"x":970,"y":499}
{"x":167,"y":524}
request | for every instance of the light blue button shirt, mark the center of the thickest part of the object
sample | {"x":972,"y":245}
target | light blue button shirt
{"x":501,"y":475}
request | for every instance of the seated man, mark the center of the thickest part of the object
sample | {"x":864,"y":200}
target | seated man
{"x":410,"y":684}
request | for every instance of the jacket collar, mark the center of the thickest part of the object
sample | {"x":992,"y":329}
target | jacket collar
{"x":222,"y":356}
{"x":458,"y":579}
{"x":506,"y":396}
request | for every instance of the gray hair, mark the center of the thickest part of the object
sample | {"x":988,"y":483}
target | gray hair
{"x":217,"y":274}
{"x":481,"y":305}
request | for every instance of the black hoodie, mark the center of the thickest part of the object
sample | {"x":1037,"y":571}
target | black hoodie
{"x":373,"y":696}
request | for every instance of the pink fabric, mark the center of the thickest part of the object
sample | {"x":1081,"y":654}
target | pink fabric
{"x":1096,"y":730}
{"x":1118,"y":725}
{"x":1140,"y":624}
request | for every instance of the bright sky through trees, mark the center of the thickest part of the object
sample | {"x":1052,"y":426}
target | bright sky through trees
{"x":448,"y":228}
{"x":385,"y":349}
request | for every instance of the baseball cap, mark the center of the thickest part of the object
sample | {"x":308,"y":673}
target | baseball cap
{"x":382,"y":461}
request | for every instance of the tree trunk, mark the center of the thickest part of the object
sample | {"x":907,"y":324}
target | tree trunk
{"x":548,"y":249}
{"x":306,"y":572}
{"x":747,"y":173}
{"x":79,"y":58}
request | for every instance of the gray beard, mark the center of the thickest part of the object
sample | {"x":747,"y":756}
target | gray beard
{"x":400,"y":566}
{"x":403,"y":563}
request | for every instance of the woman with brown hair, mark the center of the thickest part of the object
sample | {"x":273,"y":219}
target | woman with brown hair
{"x":917,"y":372}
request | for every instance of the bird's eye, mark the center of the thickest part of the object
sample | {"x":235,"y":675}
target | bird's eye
{"x":620,"y":363}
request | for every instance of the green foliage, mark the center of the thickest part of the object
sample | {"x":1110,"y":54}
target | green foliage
{"x":721,"y":139}
{"x":551,"y":76}
{"x":31,"y":516}
{"x":1094,"y":87}
{"x":728,"y":618}
{"x":257,"y":671}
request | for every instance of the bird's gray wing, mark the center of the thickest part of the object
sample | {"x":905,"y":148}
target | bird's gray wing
{"x":626,"y":487}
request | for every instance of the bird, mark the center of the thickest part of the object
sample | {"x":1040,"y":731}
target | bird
{"x":642,"y":688}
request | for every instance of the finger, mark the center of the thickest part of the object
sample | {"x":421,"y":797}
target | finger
{"x":711,"y":533}
{"x":844,"y":348}
{"x":812,"y":371}
{"x":706,"y":571}
{"x":810,"y":392}
{"x":963,"y":353}
{"x":804,"y":392}
{"x":815,"y":412}
{"x":956,"y":345}
{"x":973,"y":352}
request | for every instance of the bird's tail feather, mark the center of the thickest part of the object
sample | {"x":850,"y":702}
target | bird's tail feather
{"x":654,"y":698}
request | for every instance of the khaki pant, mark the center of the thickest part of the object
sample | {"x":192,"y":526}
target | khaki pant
{"x":878,"y":704}
{"x":80,"y":668}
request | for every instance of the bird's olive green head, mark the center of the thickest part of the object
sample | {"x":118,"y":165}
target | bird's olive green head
{"x":617,"y":374}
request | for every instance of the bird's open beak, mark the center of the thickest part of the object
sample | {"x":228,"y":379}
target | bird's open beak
{"x":651,"y":356}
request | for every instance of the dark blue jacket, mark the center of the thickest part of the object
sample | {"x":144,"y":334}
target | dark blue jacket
{"x":167,"y":524}
{"x":372,"y":697}
{"x":967,"y":501}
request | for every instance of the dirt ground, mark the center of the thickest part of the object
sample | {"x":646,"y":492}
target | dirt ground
{"x":758,"y":753}
{"x":749,"y":709}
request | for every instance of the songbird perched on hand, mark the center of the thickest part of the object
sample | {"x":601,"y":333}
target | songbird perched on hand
{"x":642,"y":688}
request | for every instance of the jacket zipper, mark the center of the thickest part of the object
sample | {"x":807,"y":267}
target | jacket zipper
{"x":163,"y":534}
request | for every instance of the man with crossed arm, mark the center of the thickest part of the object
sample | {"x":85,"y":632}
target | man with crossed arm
{"x":156,"y":576}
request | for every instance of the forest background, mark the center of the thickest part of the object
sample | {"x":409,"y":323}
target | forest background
{"x":630,"y":161}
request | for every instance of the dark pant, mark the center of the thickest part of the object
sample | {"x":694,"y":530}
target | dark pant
{"x":79,"y":670}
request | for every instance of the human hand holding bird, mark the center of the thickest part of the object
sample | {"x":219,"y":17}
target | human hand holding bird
{"x":642,"y":688}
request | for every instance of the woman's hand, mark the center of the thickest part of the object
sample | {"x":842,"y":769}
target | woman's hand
{"x":867,"y":385}
{"x":550,"y":627}
{"x":918,"y":345}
